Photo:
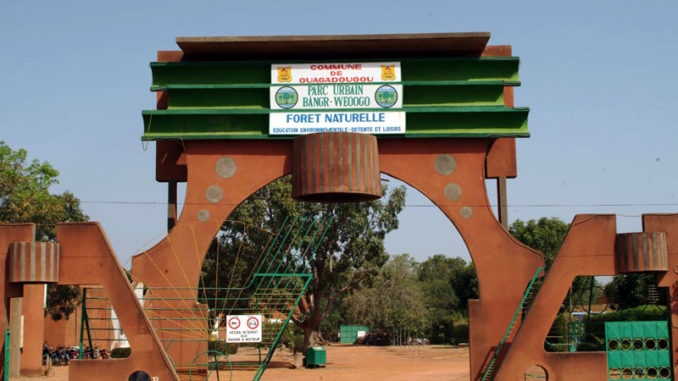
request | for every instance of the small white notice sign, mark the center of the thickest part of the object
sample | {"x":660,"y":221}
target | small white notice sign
{"x":243,"y":328}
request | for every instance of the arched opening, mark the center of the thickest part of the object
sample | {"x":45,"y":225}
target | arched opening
{"x":266,"y":232}
{"x":472,"y":216}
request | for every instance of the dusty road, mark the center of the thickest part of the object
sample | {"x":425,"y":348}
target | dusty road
{"x":347,"y":362}
{"x":417,"y":363}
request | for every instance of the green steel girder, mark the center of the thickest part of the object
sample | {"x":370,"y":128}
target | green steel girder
{"x":422,"y":122}
{"x":503,"y":69}
{"x":415,"y":93}
{"x":442,"y":97}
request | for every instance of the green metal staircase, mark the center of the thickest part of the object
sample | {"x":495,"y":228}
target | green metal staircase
{"x":525,"y":304}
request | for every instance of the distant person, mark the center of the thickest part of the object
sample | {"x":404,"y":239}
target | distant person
{"x":139,"y":376}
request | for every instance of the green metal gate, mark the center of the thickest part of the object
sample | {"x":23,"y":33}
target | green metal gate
{"x":638,"y":350}
{"x":349,"y":333}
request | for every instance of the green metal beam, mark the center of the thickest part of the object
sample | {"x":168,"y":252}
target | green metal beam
{"x":422,"y":122}
{"x":415,"y":93}
{"x":259,"y":72}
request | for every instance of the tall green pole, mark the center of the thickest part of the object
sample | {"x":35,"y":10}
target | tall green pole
{"x":84,"y":321}
{"x":89,"y":337}
{"x":83,"y":316}
{"x":5,"y":371}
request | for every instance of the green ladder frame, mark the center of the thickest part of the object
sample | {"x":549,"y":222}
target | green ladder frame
{"x":489,"y":372}
{"x":292,"y":278}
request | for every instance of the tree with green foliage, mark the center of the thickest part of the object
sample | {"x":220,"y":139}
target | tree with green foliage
{"x":633,"y":290}
{"x":447,"y":284}
{"x":352,"y":251}
{"x":62,"y":300}
{"x":25,"y":197}
{"x":394,"y":301}
{"x":545,"y":235}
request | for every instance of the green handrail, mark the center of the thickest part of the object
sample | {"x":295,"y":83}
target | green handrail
{"x":490,"y":367}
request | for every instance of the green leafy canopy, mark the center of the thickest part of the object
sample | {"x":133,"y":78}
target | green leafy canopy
{"x":25,"y":197}
{"x":351,"y":252}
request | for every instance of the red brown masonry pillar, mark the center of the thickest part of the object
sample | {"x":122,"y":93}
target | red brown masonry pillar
{"x":34,"y":329}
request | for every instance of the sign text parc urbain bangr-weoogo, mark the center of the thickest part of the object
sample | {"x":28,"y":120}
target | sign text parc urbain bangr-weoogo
{"x":336,"y":97}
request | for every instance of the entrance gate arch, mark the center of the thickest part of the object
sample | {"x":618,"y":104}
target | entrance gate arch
{"x":447,"y":157}
{"x":453,"y":128}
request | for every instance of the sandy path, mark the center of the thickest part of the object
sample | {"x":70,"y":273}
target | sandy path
{"x":383,"y":363}
{"x":347,"y":362}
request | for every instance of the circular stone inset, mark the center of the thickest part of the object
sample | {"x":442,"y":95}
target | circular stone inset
{"x":445,"y":164}
{"x":536,"y":373}
{"x":466,"y":212}
{"x":203,"y":215}
{"x":225,"y":167}
{"x":214,"y":193}
{"x":452,"y":192}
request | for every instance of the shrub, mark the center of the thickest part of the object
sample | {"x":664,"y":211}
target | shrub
{"x":460,"y":332}
{"x":120,"y":353}
{"x":222,"y":347}
{"x":557,"y":338}
{"x":292,"y":338}
{"x":593,"y":336}
{"x":641,"y":313}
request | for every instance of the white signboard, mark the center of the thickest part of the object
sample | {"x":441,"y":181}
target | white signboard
{"x":347,"y":72}
{"x":243,"y":328}
{"x":339,"y":95}
{"x":368,"y":122}
{"x":358,"y":90}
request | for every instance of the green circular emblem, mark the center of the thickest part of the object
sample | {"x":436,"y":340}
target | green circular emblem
{"x":286,"y":97}
{"x":386,"y":96}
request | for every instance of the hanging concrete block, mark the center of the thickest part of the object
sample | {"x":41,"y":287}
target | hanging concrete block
{"x":33,"y":262}
{"x":336,"y":167}
{"x":646,"y":251}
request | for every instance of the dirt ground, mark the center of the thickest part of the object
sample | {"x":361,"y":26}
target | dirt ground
{"x":348,"y":362}
{"x":416,"y":363}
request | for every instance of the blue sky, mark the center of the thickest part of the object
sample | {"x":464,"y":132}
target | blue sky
{"x":599,"y":77}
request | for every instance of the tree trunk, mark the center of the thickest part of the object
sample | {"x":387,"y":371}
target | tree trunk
{"x":308,"y":338}
{"x":311,"y":337}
